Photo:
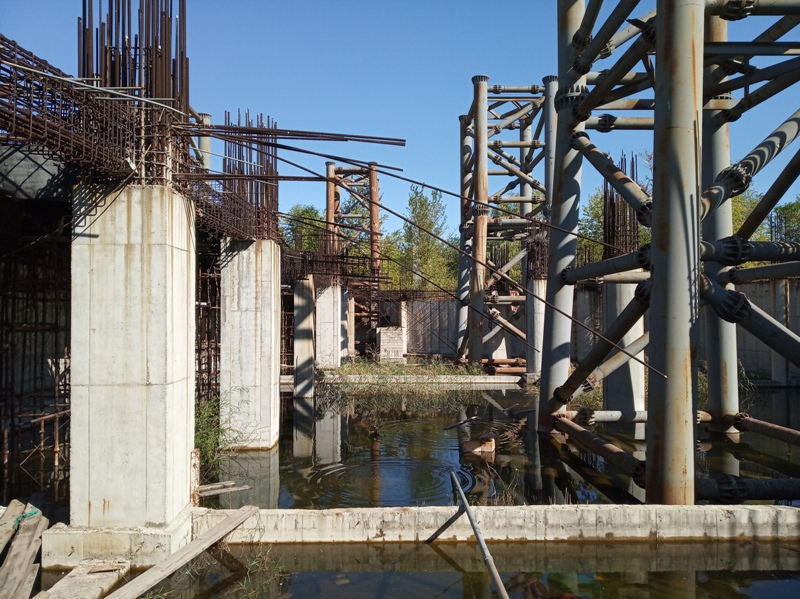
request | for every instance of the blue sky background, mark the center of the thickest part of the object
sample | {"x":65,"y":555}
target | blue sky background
{"x":387,"y":68}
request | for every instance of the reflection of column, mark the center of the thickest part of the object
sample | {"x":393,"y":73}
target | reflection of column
{"x":351,"y":325}
{"x":260,"y":470}
{"x":328,"y":439}
{"x":375,"y":462}
{"x":304,"y":338}
{"x":667,"y":585}
{"x":476,"y":585}
{"x":303,"y":438}
{"x":465,"y":241}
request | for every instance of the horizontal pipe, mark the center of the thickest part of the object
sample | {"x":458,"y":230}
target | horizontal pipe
{"x":622,"y":278}
{"x":619,"y":264}
{"x":744,"y":422}
{"x":732,"y":251}
{"x":729,"y":9}
{"x":751,"y":49}
{"x":605,"y":123}
{"x":633,"y":467}
{"x":739,"y":275}
{"x":589,"y":417}
{"x":730,"y":489}
{"x":635,"y":104}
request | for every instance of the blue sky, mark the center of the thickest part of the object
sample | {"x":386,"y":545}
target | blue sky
{"x":387,"y":68}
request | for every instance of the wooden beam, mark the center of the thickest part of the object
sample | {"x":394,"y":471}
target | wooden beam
{"x":22,"y":552}
{"x":141,"y":584}
{"x":13,"y":511}
{"x":91,"y":579}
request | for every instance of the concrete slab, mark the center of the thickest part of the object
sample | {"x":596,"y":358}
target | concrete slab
{"x":605,"y":523}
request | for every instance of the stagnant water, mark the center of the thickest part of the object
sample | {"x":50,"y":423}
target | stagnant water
{"x":394,"y":455}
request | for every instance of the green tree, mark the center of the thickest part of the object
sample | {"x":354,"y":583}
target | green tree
{"x":788,"y":220}
{"x":422,"y":251}
{"x":741,"y":207}
{"x":300,"y":229}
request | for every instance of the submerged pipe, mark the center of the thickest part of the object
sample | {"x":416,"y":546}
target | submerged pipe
{"x":744,"y":422}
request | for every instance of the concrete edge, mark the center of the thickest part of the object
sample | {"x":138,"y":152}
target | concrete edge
{"x":413,"y":379}
{"x":64,"y":547}
{"x":606,"y":523}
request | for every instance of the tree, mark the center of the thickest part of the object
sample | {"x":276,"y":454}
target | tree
{"x":300,"y":230}
{"x":422,"y":251}
{"x":788,"y":221}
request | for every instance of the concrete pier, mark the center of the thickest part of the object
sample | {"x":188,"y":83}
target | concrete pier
{"x":304,"y":337}
{"x":132,"y":359}
{"x":331,"y":327}
{"x":250,"y":344}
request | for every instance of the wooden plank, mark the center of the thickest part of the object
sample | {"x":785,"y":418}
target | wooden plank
{"x":14,"y":510}
{"x":91,"y":579}
{"x":26,"y":585}
{"x":141,"y":584}
{"x":23,"y":551}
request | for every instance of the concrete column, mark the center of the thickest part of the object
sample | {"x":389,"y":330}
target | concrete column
{"x":534,"y":310}
{"x":260,"y":470}
{"x":133,"y":376}
{"x":328,"y":439}
{"x":674,"y":252}
{"x":723,"y":365}
{"x":304,"y":354}
{"x":623,"y":389}
{"x":250,"y":343}
{"x":477,"y":285}
{"x":779,"y":293}
{"x":329,"y":329}
{"x":564,"y":213}
{"x":205,"y":142}
{"x":351,"y":325}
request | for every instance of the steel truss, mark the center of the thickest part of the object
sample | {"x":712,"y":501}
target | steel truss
{"x":676,"y":68}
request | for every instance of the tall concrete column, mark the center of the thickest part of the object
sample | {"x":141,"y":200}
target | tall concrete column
{"x":304,"y":353}
{"x":133,"y":377}
{"x":674,"y":251}
{"x":329,"y":327}
{"x":564,"y":213}
{"x":723,"y":383}
{"x":779,"y":292}
{"x":477,"y":287}
{"x":250,"y":343}
{"x":205,"y":142}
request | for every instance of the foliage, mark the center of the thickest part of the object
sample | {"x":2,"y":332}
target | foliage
{"x":429,"y":260}
{"x":220,"y":423}
{"x":789,"y":220}
{"x":300,"y":231}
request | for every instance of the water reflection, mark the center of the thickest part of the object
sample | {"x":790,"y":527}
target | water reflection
{"x":528,"y":570}
{"x":388,"y":455}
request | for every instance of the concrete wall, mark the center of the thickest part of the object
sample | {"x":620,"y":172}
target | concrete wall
{"x":250,"y":343}
{"x":133,"y":328}
{"x":432,"y":327}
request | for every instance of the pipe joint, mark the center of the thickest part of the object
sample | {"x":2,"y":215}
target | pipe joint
{"x":642,"y":293}
{"x":648,"y":29}
{"x":643,"y":256}
{"x":735,"y":250}
{"x":480,"y":78}
{"x":564,"y":276}
{"x":573,"y":139}
{"x":581,"y":39}
{"x":645,"y":214}
{"x":639,"y":474}
{"x":606,"y":123}
{"x":735,"y":307}
{"x":607,"y":50}
{"x":731,"y":488}
{"x":735,"y":10}
{"x":738,"y":420}
{"x":567,"y":97}
{"x":584,"y":417}
{"x":733,"y":275}
{"x":735,"y":178}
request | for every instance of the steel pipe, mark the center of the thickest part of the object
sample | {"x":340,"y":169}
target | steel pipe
{"x":629,"y":316}
{"x":605,"y":123}
{"x":730,"y":489}
{"x":738,"y":275}
{"x":674,"y":253}
{"x":735,"y":307}
{"x":633,"y":467}
{"x":733,"y":251}
{"x":618,"y":264}
{"x":612,"y":364}
{"x":628,"y":189}
{"x":744,"y":422}
{"x":583,"y":63}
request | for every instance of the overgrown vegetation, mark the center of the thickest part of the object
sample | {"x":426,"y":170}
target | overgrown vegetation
{"x":220,"y":423}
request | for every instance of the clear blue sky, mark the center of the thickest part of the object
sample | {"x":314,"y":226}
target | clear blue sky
{"x":387,"y":68}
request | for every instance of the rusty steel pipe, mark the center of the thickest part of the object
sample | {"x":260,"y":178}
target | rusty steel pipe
{"x":731,"y":489}
{"x":612,"y":364}
{"x":738,"y":275}
{"x":744,"y":422}
{"x":633,"y":467}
